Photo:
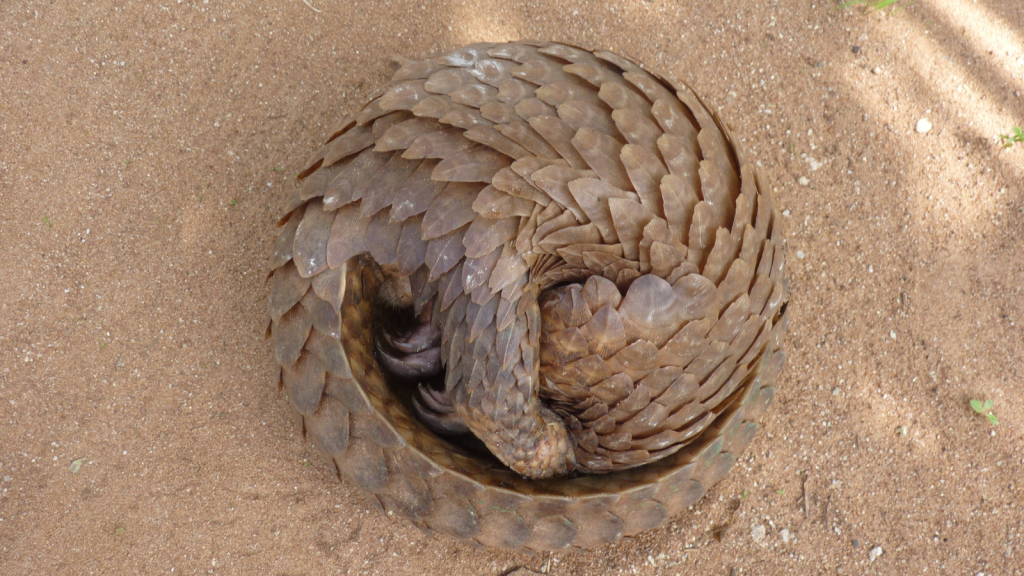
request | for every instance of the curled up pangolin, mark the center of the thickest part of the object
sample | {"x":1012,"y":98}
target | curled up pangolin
{"x":544,"y":249}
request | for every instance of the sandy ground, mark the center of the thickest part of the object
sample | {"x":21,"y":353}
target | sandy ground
{"x":146,"y":149}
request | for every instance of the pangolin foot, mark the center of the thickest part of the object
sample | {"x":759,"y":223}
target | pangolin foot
{"x":436,"y":412}
{"x":412,"y":351}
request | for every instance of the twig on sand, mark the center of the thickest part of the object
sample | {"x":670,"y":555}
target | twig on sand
{"x":313,"y":8}
{"x":803,"y":494}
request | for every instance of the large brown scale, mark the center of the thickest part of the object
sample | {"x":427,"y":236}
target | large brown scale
{"x":572,"y":260}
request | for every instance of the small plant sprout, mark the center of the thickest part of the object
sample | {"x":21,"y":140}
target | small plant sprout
{"x":985,"y":409}
{"x":76,"y":465}
{"x":1017,"y":137}
{"x":873,"y":4}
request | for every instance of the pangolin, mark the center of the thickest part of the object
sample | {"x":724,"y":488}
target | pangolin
{"x":547,"y":249}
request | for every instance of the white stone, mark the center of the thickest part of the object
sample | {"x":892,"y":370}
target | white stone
{"x":923,"y":126}
{"x":758,"y":533}
{"x":874,"y":553}
{"x":803,"y":181}
{"x":785,"y":535}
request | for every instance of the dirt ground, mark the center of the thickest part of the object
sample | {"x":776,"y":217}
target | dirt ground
{"x":147,"y":149}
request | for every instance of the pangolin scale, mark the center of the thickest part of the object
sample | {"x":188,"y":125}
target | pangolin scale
{"x":580,"y":253}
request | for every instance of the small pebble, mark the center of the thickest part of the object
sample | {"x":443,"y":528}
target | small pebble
{"x":786,"y":212}
{"x":892,"y":334}
{"x":800,"y":254}
{"x":923,"y":126}
{"x":874,"y":553}
{"x":876,"y":70}
{"x":856,"y":49}
{"x":758,"y":533}
{"x":803,"y":181}
{"x":785,"y":535}
{"x":7,"y":478}
{"x":835,"y":391}
{"x":856,"y":543}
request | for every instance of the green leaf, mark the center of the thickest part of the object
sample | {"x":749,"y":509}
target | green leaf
{"x":992,"y":418}
{"x":987,"y":405}
{"x":1015,"y":137}
{"x":976,"y":404}
{"x":873,"y":4}
{"x":77,"y":465}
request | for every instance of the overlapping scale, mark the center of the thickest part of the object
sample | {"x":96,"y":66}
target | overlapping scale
{"x":590,"y":239}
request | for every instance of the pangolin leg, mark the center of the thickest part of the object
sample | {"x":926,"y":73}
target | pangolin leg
{"x":411,"y":349}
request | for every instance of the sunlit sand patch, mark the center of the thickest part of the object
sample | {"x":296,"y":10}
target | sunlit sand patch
{"x":931,"y":82}
{"x":987,"y":32}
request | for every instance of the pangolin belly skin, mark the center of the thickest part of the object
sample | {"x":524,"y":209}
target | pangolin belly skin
{"x":604,"y":268}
